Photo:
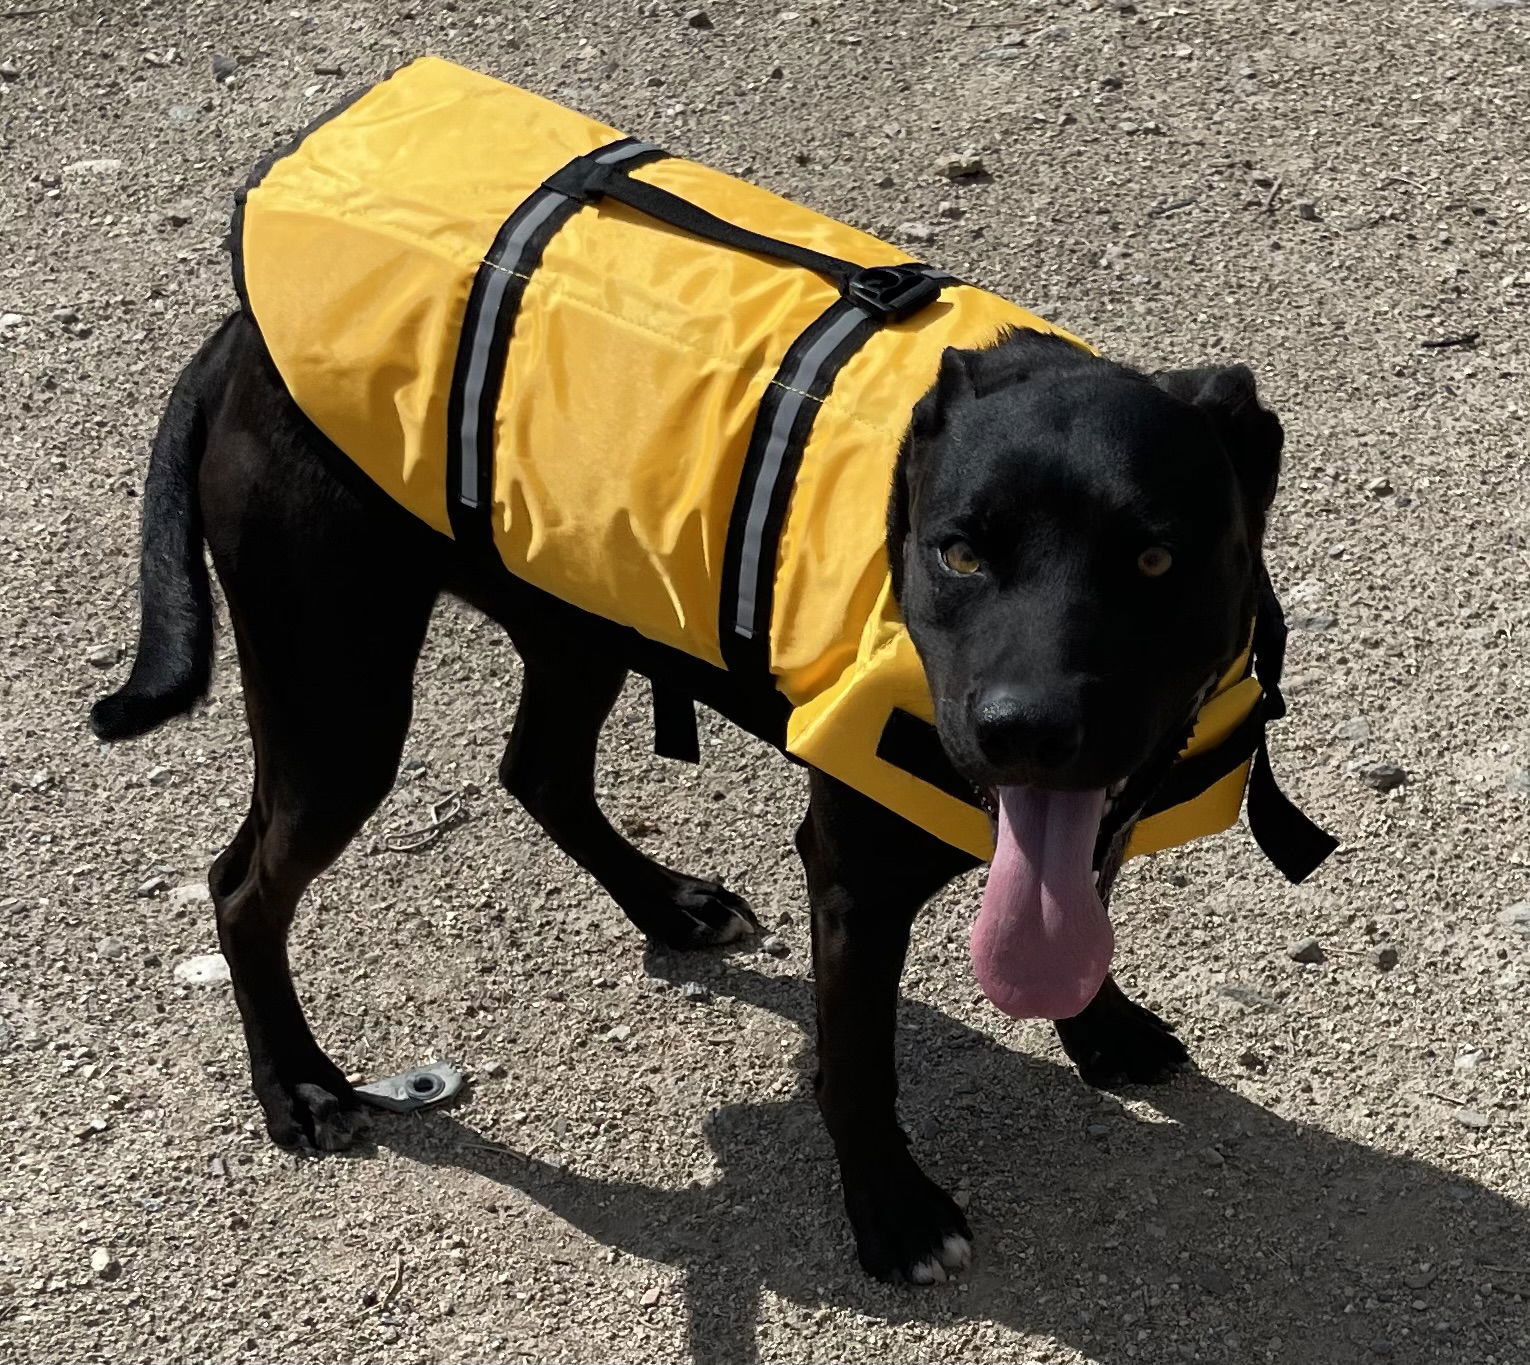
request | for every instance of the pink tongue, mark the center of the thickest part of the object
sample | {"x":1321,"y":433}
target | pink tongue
{"x":1042,"y":941}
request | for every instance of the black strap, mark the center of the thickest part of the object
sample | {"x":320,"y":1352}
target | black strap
{"x":782,"y":426}
{"x":589,"y":182}
{"x":493,"y":302}
{"x":1295,"y":844}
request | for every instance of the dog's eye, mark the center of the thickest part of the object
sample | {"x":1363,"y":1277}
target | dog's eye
{"x":1155,"y":561}
{"x":960,"y":558}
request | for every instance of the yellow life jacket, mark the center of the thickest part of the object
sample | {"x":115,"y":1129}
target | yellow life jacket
{"x":661,"y":394}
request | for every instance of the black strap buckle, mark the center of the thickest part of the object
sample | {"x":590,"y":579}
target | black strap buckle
{"x":892,"y":292}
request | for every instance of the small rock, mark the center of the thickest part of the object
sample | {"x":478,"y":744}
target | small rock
{"x":1469,"y":1058}
{"x":916,"y":232}
{"x":694,"y":990}
{"x":328,"y":69}
{"x":1519,"y":781}
{"x":92,"y":1129}
{"x":651,"y":1296}
{"x":1214,"y":1279}
{"x":102,"y":656}
{"x":192,"y":893}
{"x":1098,"y":1130}
{"x":1212,"y":1157}
{"x":96,"y":165}
{"x":110,"y":948}
{"x":177,"y":215}
{"x":698,"y":18}
{"x":223,"y":68}
{"x":1383,"y":777}
{"x":775,"y":945}
{"x":1002,"y":54}
{"x":1313,"y":621}
{"x":67,"y":316}
{"x":1421,"y":1279}
{"x":1306,"y":210}
{"x":1518,"y":917}
{"x":1252,"y":1061}
{"x":218,"y":1168}
{"x":1246,"y":996}
{"x":1384,"y":957}
{"x":619,"y":1034}
{"x":498,"y":1071}
{"x":1472,"y":1118}
{"x":9,"y":320}
{"x":159,"y":775}
{"x":1307,"y":950}
{"x":182,"y":114}
{"x":151,"y":886}
{"x":1356,"y":729}
{"x":1381,"y":1347}
{"x":209,"y":969}
{"x":1380,"y":487}
{"x":9,"y":71}
{"x":104,"y":1266}
{"x":777,"y":72}
{"x":961,"y":165}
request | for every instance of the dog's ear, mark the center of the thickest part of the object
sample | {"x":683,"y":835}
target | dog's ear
{"x":1252,"y":433}
{"x":952,"y":384}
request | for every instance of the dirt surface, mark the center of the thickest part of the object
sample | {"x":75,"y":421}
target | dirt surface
{"x":1317,"y":189}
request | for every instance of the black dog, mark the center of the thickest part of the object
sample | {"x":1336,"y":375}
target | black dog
{"x":1076,"y":548}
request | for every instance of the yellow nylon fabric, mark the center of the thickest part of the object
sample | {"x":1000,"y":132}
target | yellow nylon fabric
{"x":637,"y":365}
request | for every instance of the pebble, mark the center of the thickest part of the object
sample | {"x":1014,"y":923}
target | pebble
{"x":1518,"y":917}
{"x":110,"y":948}
{"x":1212,"y":1157}
{"x":159,"y":775}
{"x":1252,"y":1061}
{"x":1307,"y":950}
{"x":651,"y":1296}
{"x":1472,"y":1118}
{"x":1383,"y":777}
{"x":916,"y":232}
{"x":619,"y":1034}
{"x":498,"y":1071}
{"x":91,"y":1129}
{"x":103,"y":1265}
{"x":1356,"y":728}
{"x":694,"y":990}
{"x":1384,"y":957}
{"x":209,"y":969}
{"x":192,"y":893}
{"x":9,"y":320}
{"x":1098,"y":1130}
{"x":775,"y":945}
{"x":698,"y":18}
{"x":177,"y":215}
{"x":9,"y":71}
{"x":151,"y":886}
{"x":1306,"y":210}
{"x":1519,"y":781}
{"x":182,"y":114}
{"x":1314,"y":621}
{"x":98,"y":165}
{"x":223,"y":68}
{"x":102,"y":656}
{"x":328,"y":69}
{"x":1469,"y":1058}
{"x":960,"y":165}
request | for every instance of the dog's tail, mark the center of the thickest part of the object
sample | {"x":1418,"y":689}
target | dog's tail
{"x":173,"y":662}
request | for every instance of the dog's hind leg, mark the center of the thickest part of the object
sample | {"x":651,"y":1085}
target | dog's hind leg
{"x":549,"y":767}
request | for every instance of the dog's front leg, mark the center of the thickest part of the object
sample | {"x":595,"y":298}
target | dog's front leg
{"x":868,"y":873}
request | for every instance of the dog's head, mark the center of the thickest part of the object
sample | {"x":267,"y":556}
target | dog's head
{"x":1076,"y":548}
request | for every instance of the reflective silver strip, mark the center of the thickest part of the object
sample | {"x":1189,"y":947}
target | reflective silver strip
{"x":760,"y":495}
{"x":537,"y":210}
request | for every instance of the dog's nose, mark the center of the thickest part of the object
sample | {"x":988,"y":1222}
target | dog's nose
{"x":1033,"y":729}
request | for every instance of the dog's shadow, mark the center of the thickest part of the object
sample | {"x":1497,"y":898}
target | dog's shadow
{"x":1221,"y":1232}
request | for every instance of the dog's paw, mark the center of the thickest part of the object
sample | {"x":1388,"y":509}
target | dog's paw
{"x":1122,"y":1044}
{"x":907,"y":1229}
{"x":699,"y":914}
{"x":320,"y":1116}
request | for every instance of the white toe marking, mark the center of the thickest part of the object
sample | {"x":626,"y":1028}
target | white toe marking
{"x":928,"y":1272}
{"x":957,"y":1253}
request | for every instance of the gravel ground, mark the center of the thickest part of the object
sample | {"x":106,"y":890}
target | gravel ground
{"x":1319,"y":189}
